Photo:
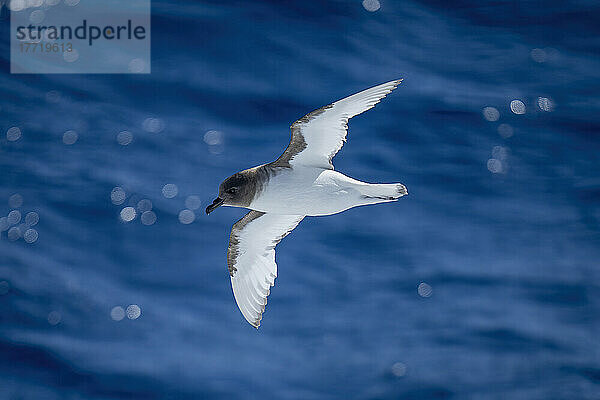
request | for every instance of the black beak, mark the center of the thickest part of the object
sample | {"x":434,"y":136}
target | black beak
{"x":216,"y":203}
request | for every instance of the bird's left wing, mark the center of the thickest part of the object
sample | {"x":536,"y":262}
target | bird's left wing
{"x":251,"y":259}
{"x":319,"y":135}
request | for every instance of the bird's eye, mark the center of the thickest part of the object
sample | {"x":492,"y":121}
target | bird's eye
{"x":232,"y":190}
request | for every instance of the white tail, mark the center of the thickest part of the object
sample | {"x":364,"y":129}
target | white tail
{"x":383,"y":191}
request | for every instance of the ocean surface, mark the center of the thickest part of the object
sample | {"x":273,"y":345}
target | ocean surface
{"x":482,"y":283}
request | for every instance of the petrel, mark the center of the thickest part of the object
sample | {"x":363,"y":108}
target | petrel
{"x":301,"y":182}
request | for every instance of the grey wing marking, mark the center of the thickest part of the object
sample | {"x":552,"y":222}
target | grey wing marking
{"x":251,"y":259}
{"x":234,"y":239}
{"x":297,"y":143}
{"x":319,"y":135}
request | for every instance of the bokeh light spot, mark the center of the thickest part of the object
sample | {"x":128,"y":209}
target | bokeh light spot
{"x":14,"y":217}
{"x":494,"y":165}
{"x":124,"y":138}
{"x":117,"y":313}
{"x":153,"y":125}
{"x":16,"y":5}
{"x":371,"y":5}
{"x":54,"y":318}
{"x":170,"y":190}
{"x":545,"y":104}
{"x":144,"y":205}
{"x":133,"y":311}
{"x":127,"y":214}
{"x":186,"y":216}
{"x":30,"y":235}
{"x":148,"y":218}
{"x":517,"y":106}
{"x":491,"y":114}
{"x":193,"y":202}
{"x":136,"y":65}
{"x":36,"y":16}
{"x":70,"y":137}
{"x":539,"y":55}
{"x":213,"y":138}
{"x":399,"y":369}
{"x":71,"y":56}
{"x":32,"y":218}
{"x":13,"y":134}
{"x":424,"y":290}
{"x":117,"y":196}
{"x":14,"y":233}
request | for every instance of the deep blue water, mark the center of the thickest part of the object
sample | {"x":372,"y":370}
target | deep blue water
{"x":502,"y":221}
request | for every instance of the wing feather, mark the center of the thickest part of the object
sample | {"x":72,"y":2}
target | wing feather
{"x":251,"y":259}
{"x":319,"y":135}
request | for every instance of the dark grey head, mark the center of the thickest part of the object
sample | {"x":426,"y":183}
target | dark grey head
{"x":237,"y":190}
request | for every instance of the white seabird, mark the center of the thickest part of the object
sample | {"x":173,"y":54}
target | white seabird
{"x":300,"y":183}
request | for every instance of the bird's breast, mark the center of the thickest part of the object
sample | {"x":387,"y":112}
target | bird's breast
{"x":304,"y":192}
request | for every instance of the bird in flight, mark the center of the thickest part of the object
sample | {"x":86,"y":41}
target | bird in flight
{"x":301,"y":182}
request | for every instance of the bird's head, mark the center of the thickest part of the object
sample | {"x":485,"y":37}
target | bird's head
{"x":234,"y":191}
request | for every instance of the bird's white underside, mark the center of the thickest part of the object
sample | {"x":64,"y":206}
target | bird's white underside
{"x":325,"y":133}
{"x":255,"y":265}
{"x":312,"y":192}
{"x":310,"y":187}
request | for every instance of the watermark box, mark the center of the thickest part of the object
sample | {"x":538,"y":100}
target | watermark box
{"x":79,"y":36}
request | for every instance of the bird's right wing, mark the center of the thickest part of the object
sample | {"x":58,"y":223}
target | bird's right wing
{"x":319,"y":135}
{"x":251,"y":259}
